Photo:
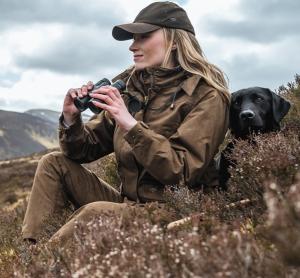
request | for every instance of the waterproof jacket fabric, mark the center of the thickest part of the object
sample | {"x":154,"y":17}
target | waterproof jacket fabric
{"x":180,"y":127}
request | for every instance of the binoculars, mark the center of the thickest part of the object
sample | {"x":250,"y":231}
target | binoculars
{"x":83,"y":103}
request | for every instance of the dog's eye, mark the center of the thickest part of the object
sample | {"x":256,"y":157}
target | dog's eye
{"x":259,"y":99}
{"x":236,"y":102}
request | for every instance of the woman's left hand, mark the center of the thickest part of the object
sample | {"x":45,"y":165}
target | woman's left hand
{"x":114,"y":104}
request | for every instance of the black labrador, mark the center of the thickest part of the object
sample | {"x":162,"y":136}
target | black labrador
{"x":252,"y":110}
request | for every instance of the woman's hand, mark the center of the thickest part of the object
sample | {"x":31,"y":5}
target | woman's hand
{"x":113,"y":103}
{"x":70,"y":111}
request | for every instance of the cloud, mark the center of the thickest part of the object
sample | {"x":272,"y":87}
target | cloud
{"x":79,"y":51}
{"x":259,"y":21}
{"x":9,"y":78}
{"x":48,"y":47}
{"x":36,"y":89}
{"x":254,"y":42}
{"x":101,"y":13}
{"x":21,"y":105}
{"x":67,"y":37}
{"x":272,"y":9}
{"x":262,"y":31}
{"x":265,"y":67}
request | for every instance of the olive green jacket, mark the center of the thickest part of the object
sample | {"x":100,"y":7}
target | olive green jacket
{"x":179,"y":130}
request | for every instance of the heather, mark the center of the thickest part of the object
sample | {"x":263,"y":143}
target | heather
{"x":250,"y":230}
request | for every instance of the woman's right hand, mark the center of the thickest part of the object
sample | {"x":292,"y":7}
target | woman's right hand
{"x":70,"y":111}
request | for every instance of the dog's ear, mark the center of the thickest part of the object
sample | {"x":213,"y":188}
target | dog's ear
{"x":280,"y":107}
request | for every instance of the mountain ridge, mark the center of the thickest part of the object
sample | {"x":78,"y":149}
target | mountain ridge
{"x":22,"y":134}
{"x":52,"y":115}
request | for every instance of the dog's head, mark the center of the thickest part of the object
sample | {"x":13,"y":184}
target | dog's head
{"x":256,"y":109}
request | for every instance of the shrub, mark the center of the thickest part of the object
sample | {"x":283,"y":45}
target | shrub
{"x":114,"y":246}
{"x":292,"y":93}
{"x":10,"y":242}
{"x":272,"y":156}
{"x":284,"y":220}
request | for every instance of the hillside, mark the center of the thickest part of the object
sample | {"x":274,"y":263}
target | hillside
{"x":34,"y":130}
{"x":22,"y":134}
{"x":16,"y":176}
{"x":50,"y":115}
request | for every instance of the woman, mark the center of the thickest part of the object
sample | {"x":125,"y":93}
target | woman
{"x":170,"y":141}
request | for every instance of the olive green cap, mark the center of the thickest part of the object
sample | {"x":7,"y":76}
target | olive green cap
{"x":156,"y":15}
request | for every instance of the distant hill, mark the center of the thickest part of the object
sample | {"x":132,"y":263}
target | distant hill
{"x":22,"y":134}
{"x":16,"y":177}
{"x":51,"y":115}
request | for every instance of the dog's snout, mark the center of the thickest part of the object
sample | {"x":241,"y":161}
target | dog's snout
{"x":247,"y":115}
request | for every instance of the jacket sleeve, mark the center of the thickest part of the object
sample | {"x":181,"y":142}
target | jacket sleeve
{"x":87,"y":142}
{"x":183,"y":158}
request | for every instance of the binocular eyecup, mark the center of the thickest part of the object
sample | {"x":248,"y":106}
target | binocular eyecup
{"x":83,"y":103}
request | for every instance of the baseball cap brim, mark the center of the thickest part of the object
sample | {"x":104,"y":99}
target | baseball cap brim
{"x":125,"y":31}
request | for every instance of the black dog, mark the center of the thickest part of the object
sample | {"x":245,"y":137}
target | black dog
{"x":252,"y":110}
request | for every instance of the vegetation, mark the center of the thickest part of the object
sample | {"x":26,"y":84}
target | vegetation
{"x":252,"y":230}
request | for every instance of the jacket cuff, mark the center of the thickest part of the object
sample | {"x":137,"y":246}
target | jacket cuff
{"x":74,"y":129}
{"x":137,"y":133}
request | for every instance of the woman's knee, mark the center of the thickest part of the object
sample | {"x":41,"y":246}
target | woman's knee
{"x":51,"y":157}
{"x":93,"y":209}
{"x":56,"y":160}
{"x":85,"y":214}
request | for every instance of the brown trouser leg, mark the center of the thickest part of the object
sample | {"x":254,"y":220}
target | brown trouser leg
{"x":85,"y":214}
{"x":59,"y":179}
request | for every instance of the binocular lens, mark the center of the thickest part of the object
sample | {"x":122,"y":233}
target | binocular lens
{"x":119,"y":84}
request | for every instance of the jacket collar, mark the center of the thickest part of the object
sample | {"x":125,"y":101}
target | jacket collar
{"x":164,"y":78}
{"x":159,"y":78}
{"x":190,"y":84}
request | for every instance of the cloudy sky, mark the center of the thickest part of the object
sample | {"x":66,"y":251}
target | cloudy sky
{"x":47,"y":47}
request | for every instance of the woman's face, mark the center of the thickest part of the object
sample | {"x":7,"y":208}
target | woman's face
{"x":149,"y":49}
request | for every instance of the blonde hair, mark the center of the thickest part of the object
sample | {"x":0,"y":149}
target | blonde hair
{"x":190,"y":57}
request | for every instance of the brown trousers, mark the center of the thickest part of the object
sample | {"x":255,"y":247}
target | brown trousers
{"x":58,"y":180}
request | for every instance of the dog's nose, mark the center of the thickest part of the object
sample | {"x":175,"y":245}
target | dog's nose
{"x":247,"y":115}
